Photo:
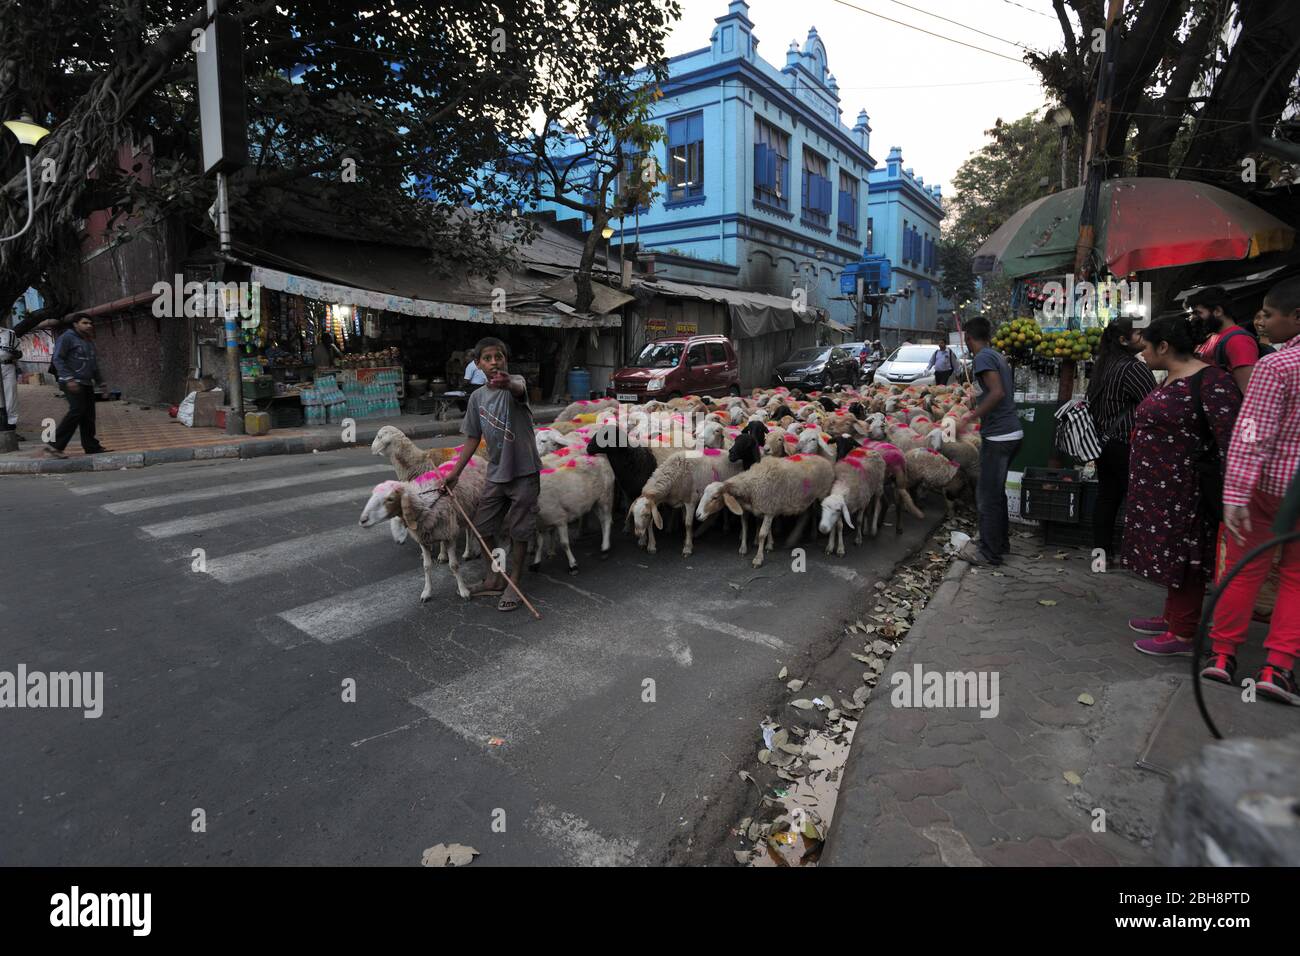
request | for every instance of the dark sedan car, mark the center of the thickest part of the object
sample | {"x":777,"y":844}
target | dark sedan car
{"x":822,"y":367}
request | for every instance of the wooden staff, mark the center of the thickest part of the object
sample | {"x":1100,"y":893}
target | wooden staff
{"x":487,"y":552}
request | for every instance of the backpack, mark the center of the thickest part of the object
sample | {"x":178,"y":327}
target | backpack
{"x":1221,"y":347}
{"x":1209,"y":462}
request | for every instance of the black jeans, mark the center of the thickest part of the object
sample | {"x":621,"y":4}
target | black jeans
{"x":1112,"y":488}
{"x":81,"y":412}
{"x":941,"y":378}
{"x":995,"y":526}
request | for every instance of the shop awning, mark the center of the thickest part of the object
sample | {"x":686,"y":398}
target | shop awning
{"x":605,"y":299}
{"x":839,"y":327}
{"x":752,"y":313}
{"x":341,"y":294}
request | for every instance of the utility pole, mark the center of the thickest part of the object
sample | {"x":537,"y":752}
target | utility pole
{"x":1095,"y":164}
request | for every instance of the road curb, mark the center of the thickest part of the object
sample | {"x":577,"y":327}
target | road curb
{"x":944,"y":595}
{"x":294,"y":445}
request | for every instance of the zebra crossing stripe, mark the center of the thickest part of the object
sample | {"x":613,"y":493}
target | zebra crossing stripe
{"x":264,"y":509}
{"x":134,"y":505}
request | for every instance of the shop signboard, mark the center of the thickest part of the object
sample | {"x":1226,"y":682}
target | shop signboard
{"x":688,"y":328}
{"x":655,"y":327}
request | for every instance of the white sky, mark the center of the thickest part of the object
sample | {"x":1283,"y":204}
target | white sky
{"x":938,"y":126}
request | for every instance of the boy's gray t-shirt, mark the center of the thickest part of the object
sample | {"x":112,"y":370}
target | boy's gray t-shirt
{"x":506,"y":423}
{"x":1002,"y":420}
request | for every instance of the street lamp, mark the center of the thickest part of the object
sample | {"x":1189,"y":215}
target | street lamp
{"x":1064,"y":121}
{"x":28,"y":135}
{"x":606,"y":234}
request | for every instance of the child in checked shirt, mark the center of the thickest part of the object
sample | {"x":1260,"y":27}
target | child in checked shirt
{"x":1262,"y":460}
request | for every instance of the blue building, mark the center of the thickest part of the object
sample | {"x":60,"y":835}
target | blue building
{"x":763,"y":187}
{"x":903,"y":219}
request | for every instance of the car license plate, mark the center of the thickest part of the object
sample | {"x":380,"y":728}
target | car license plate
{"x":625,"y":397}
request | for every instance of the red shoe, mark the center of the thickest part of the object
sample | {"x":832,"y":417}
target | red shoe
{"x":1167,"y":644}
{"x":1219,"y":667}
{"x":1155,"y":626}
{"x":1277,"y":684}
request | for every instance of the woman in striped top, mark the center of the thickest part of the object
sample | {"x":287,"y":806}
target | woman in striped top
{"x":1119,"y":382}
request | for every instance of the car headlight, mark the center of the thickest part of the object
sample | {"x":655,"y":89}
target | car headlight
{"x":655,"y":384}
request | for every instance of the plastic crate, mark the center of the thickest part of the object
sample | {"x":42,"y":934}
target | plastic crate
{"x":1052,"y":494}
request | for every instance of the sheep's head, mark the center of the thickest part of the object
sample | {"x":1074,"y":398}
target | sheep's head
{"x":710,"y":435}
{"x":385,"y":502}
{"x":645,"y":510}
{"x":385,"y":439}
{"x":934,"y":440}
{"x":834,"y":508}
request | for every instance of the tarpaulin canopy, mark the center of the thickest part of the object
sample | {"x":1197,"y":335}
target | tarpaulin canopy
{"x":752,"y":313}
{"x":1142,"y":223}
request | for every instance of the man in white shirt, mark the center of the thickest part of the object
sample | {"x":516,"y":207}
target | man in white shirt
{"x":9,"y":356}
{"x":474,"y":376}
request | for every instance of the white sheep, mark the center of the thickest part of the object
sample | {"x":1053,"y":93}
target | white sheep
{"x":964,"y":453}
{"x":409,"y":460}
{"x":572,"y":486}
{"x":774,"y":486}
{"x":427,"y":512}
{"x":928,"y":469}
{"x":585,"y":406}
{"x":679,"y":483}
{"x":859,"y":487}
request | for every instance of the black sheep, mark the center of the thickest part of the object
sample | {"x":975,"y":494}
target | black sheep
{"x":748,"y":446}
{"x":828,"y":403}
{"x":632,"y":464}
{"x":843,"y":445}
{"x":858,"y":411}
{"x":780,"y":412}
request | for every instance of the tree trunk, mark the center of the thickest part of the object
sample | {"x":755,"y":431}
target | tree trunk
{"x":563,"y":359}
{"x":583,"y":278}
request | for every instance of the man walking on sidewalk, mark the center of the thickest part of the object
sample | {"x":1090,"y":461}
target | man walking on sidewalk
{"x":9,"y":356}
{"x":78,"y":371}
{"x":1000,"y":437}
{"x":1262,"y":460}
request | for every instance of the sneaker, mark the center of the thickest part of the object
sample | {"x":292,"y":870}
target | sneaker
{"x":973,"y":555}
{"x":1167,"y":644}
{"x":52,"y":452}
{"x":1277,"y":684}
{"x":1219,"y":667}
{"x":1155,"y":626}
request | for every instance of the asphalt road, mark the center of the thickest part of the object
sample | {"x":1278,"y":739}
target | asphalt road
{"x":223,"y":688}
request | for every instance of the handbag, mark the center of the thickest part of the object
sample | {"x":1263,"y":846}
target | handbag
{"x":1208,"y":461}
{"x":1076,"y":433}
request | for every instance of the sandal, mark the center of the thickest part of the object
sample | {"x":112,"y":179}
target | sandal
{"x":507,"y":603}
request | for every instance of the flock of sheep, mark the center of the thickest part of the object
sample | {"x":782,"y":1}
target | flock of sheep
{"x":775,"y":454}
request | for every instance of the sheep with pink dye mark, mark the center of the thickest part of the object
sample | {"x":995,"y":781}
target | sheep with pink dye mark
{"x":679,"y":483}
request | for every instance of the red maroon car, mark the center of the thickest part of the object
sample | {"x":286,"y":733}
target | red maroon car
{"x":679,"y":365}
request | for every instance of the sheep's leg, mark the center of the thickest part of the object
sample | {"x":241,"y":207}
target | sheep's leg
{"x":465,"y":555}
{"x":875,"y":514}
{"x":688,"y":517}
{"x":428,"y":573}
{"x":453,"y":563}
{"x":562,"y":532}
{"x":839,"y":538}
{"x":650,"y":537}
{"x":397,"y":529}
{"x":764,"y":536}
{"x":537,"y":549}
{"x":442,"y":552}
{"x":744,"y":533}
{"x":862,"y":519}
{"x":606,"y":525}
{"x":830,"y":537}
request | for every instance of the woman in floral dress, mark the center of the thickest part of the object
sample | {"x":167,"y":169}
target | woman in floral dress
{"x":1168,"y":533}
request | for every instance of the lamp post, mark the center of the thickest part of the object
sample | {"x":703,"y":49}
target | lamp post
{"x":606,"y":234}
{"x":28,"y":134}
{"x":1064,"y":121}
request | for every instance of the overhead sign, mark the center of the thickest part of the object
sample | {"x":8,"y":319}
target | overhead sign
{"x":223,"y":121}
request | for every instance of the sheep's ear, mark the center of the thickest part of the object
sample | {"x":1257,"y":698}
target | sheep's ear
{"x":844,"y":510}
{"x":732,"y":504}
{"x":654,"y":514}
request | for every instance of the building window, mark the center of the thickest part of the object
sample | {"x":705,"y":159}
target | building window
{"x":686,"y":157}
{"x":816,"y":199}
{"x":771,"y":164}
{"x":871,"y":235}
{"x":631,"y":175}
{"x":848,"y":217}
{"x":907,"y":241}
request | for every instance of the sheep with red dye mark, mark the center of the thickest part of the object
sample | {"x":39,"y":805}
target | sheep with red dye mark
{"x":429,"y":514}
{"x":772,"y":488}
{"x":585,"y":406}
{"x":679,"y":483}
{"x":929,"y":470}
{"x":573,"y":485}
{"x":859,"y":487}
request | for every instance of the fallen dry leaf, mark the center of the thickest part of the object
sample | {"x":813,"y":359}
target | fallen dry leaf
{"x":1045,"y":602}
{"x":1086,"y":698}
{"x":1072,"y":777}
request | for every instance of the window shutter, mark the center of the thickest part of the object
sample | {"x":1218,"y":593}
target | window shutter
{"x":760,"y":165}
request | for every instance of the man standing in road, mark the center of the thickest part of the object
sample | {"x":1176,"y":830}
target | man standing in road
{"x":9,"y":356}
{"x":78,"y":371}
{"x":941,"y":361}
{"x":499,"y":414}
{"x":1000,"y":437}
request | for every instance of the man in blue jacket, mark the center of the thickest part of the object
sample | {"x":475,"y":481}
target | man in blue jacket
{"x":78,"y":371}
